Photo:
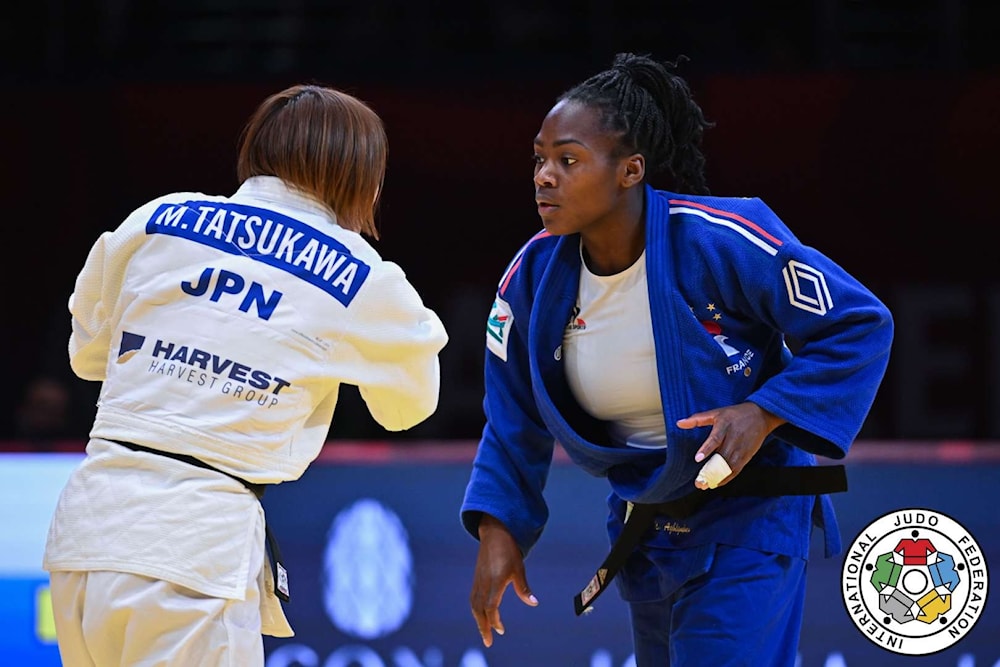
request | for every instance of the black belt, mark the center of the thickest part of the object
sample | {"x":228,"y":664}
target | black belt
{"x":761,"y":481}
{"x":277,"y":568}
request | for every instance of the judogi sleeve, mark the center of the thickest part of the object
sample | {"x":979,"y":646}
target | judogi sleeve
{"x":514,"y":455}
{"x":394,"y":340}
{"x":844,"y":331}
{"x":97,"y":292}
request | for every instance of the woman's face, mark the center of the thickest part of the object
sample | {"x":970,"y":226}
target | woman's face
{"x":579,"y":183}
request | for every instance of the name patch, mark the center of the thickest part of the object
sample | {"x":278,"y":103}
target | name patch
{"x":268,"y":237}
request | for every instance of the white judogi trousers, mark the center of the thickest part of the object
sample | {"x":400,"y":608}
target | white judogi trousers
{"x":135,"y":621}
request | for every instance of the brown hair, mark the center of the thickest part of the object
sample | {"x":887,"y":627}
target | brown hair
{"x":323,"y":142}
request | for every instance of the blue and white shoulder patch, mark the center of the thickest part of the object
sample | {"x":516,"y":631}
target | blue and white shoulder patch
{"x":807,"y":288}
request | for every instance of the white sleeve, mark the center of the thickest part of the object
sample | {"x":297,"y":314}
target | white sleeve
{"x":392,"y":350}
{"x":96,"y":294}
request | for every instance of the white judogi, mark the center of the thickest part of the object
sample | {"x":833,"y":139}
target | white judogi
{"x":222,"y":328}
{"x":183,"y":627}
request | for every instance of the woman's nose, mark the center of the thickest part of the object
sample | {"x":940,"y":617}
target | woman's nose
{"x":543,"y":177}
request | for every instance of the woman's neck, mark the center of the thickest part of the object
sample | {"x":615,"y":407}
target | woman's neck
{"x":616,"y":245}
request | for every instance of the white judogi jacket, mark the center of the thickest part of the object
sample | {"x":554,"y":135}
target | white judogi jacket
{"x":222,"y":328}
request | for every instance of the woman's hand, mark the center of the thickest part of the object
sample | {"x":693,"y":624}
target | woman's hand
{"x":737,"y":433}
{"x":498,"y":564}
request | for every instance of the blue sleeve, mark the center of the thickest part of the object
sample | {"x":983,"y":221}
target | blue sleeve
{"x":843,"y":333}
{"x":514,"y":455}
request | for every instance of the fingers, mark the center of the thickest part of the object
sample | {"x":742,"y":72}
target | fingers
{"x":716,"y":469}
{"x":493,"y":619}
{"x":496,"y":564}
{"x":696,"y":420}
{"x":524,"y":592}
{"x":487,"y":612}
{"x":737,"y":433}
{"x":485,"y":629}
{"x":487,"y":615}
{"x":712,"y":443}
{"x":714,"y":439}
{"x":713,"y":472}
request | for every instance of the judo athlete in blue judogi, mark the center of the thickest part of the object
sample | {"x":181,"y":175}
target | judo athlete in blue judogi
{"x":651,"y":334}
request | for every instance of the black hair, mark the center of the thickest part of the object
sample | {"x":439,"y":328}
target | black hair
{"x":655,"y":114}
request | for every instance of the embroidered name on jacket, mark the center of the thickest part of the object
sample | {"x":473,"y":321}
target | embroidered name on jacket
{"x":268,"y":237}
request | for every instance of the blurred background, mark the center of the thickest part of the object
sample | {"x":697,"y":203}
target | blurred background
{"x":871,"y":127}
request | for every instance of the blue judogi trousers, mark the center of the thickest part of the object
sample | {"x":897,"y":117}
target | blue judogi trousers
{"x":714,"y":605}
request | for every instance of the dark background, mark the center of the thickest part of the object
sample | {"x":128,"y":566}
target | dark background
{"x":870,"y":127}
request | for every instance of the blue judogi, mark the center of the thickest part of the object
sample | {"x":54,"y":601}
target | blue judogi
{"x":728,"y":282}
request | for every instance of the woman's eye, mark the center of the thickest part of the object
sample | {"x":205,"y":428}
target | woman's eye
{"x":536,"y":158}
{"x":569,"y":161}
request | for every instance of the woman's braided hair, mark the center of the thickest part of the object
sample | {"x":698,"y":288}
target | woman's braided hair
{"x":655,"y":114}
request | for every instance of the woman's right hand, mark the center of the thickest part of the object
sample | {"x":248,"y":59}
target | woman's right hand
{"x":498,"y":564}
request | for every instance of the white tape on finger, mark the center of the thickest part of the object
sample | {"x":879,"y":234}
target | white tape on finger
{"x":714,"y":471}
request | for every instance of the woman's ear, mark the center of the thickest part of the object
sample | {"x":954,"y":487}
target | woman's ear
{"x":635,"y":170}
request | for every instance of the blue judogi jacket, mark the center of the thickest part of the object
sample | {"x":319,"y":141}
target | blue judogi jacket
{"x":728,"y":281}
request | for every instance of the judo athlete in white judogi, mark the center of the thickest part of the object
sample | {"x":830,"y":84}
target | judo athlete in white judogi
{"x":222,"y":329}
